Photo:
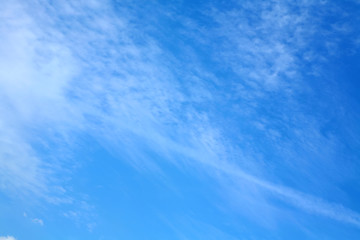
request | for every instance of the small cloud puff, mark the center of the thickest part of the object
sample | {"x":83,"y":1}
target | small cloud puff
{"x":37,"y":221}
{"x":7,"y":238}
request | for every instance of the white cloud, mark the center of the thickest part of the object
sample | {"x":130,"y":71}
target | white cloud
{"x":304,"y":201}
{"x":56,"y":82}
{"x":31,"y":91}
{"x":209,"y":155}
{"x":38,"y":221}
{"x":7,"y":238}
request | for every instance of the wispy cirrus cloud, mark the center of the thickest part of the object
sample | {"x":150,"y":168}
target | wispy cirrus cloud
{"x":296,"y":198}
{"x":122,"y":86}
{"x":269,"y":45}
{"x":76,"y":68}
{"x":32,"y":98}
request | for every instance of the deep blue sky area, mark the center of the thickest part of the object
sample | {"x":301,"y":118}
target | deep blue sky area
{"x":179,"y":120}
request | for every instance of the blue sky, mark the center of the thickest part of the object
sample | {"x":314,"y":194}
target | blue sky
{"x":179,"y":119}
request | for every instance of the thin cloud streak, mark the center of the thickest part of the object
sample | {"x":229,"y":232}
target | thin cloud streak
{"x":210,"y":160}
{"x":298,"y":199}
